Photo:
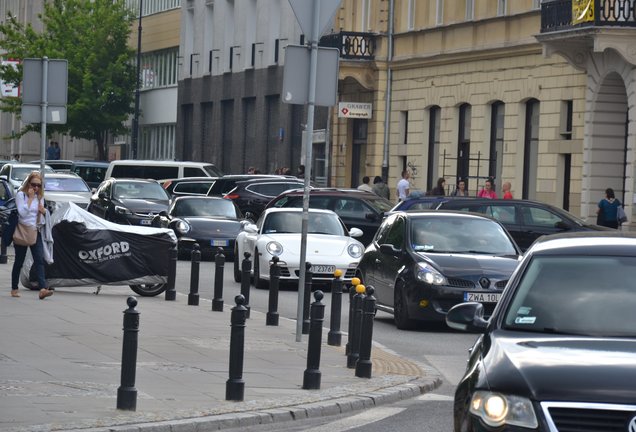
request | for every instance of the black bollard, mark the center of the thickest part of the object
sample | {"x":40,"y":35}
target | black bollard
{"x":311,"y":377}
{"x":354,"y":347}
{"x":235,"y":386}
{"x":193,"y":296}
{"x":219,"y":263}
{"x":334,"y":337}
{"x":306,"y":299}
{"x":3,"y":251}
{"x":352,"y":291}
{"x":274,"y":283}
{"x":364,"y":365}
{"x":171,"y":293}
{"x":127,"y":393}
{"x":246,"y":269}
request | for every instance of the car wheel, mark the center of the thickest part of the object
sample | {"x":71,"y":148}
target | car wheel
{"x":149,"y":290}
{"x":400,"y":309}
{"x":237,"y":268}
{"x":258,"y":282}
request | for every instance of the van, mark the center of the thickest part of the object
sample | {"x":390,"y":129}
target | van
{"x":93,"y":172}
{"x":161,"y":170}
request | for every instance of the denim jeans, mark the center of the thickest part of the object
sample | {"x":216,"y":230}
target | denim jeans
{"x":37,"y":252}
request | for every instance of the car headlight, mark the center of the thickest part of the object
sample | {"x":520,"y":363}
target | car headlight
{"x":496,"y":409}
{"x":274,"y":248}
{"x":122,"y":210}
{"x":428,"y":274}
{"x":182,"y":227}
{"x":355,"y":250}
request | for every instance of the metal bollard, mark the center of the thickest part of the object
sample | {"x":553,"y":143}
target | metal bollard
{"x":127,"y":393}
{"x":354,"y":348}
{"x":235,"y":386}
{"x":364,"y":365}
{"x":306,"y":299}
{"x":274,"y":283}
{"x":171,"y":293}
{"x":246,"y":269}
{"x":193,"y":296}
{"x":354,"y":283}
{"x":312,"y":375}
{"x":219,"y":263}
{"x":334,"y":337}
{"x":3,"y":251}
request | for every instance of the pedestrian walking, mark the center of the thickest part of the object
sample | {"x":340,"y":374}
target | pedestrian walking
{"x":31,"y":211}
{"x":380,"y":188}
{"x":488,"y":191}
{"x":505,"y":188}
{"x":607,"y":211}
{"x":440,"y":189}
{"x":403,"y":186}
{"x":460,"y":190}
{"x":365,"y":186}
{"x":50,"y":151}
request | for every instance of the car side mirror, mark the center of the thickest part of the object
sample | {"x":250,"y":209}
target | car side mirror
{"x":355,"y":232}
{"x":561,"y":225}
{"x":388,"y":249}
{"x":371,"y":216}
{"x":467,"y":317}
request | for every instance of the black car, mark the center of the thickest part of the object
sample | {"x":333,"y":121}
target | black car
{"x":129,"y":201}
{"x":423,"y":263}
{"x":356,"y":208}
{"x":225,"y":184}
{"x":211,"y":222}
{"x":251,"y":196}
{"x":559,"y":352}
{"x":525,"y":220}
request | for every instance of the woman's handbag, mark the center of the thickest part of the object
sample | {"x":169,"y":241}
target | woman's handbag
{"x":25,"y":235}
{"x":621,"y":217}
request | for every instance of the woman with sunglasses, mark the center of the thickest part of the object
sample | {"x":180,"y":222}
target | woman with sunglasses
{"x":30,"y":204}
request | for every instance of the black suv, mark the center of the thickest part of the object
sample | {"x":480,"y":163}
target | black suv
{"x":225,"y":184}
{"x":356,"y":208}
{"x":525,"y":220}
{"x":251,"y":196}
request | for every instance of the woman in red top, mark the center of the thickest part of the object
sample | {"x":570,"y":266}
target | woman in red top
{"x":487,"y":191}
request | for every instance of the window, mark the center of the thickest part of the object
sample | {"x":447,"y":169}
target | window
{"x":566,"y":119}
{"x":150,"y":7}
{"x":540,"y":217}
{"x":439,"y":14}
{"x":530,"y":149}
{"x":497,"y":113}
{"x":159,"y":68}
{"x":463,"y":143}
{"x":157,"y":142}
{"x":192,"y":188}
{"x":411,"y":15}
{"x":433,"y":146}
{"x":470,"y":10}
{"x":502,"y":7}
{"x":395,"y":236}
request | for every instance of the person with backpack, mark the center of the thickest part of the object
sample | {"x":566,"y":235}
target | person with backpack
{"x":607,"y":210}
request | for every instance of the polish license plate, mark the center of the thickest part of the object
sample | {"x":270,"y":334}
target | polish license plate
{"x":220,"y":242}
{"x":323,"y":268}
{"x":145,"y":222}
{"x":482,"y":297}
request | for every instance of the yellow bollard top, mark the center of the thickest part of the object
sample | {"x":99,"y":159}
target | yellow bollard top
{"x":360,"y":289}
{"x":337,"y":273}
{"x":355,"y":281}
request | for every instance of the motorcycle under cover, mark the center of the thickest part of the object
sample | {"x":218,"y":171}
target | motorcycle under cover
{"x":88,"y":250}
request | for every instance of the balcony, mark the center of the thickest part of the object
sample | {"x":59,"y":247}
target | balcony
{"x":352,"y":45}
{"x":562,"y":15}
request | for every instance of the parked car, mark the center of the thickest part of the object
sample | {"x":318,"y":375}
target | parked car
{"x":65,"y":187}
{"x":160,"y":169}
{"x":525,"y":220}
{"x":330,"y":246}
{"x":356,"y":208}
{"x":423,"y":263}
{"x":16,"y":172}
{"x":558,"y":354}
{"x":58,"y":165}
{"x":225,"y":184}
{"x":93,"y":172}
{"x":211,"y":222}
{"x":129,"y":201}
{"x":252,"y":196}
{"x":6,"y":192}
{"x":188,"y":185}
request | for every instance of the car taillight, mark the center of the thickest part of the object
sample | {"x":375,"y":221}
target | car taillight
{"x":231,"y":196}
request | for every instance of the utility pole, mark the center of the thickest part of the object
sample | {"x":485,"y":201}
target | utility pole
{"x":135,"y":123}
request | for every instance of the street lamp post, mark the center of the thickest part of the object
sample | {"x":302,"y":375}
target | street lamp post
{"x":135,"y":122}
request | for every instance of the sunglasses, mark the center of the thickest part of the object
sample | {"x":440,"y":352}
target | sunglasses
{"x":36,"y":184}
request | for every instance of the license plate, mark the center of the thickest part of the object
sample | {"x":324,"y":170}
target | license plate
{"x":220,"y":242}
{"x":323,"y":268}
{"x":482,"y":297}
{"x":145,"y":222}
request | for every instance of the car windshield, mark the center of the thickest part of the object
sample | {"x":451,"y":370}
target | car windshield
{"x":135,"y":190}
{"x":582,"y":295}
{"x":381,"y":205}
{"x":319,"y":223}
{"x":65,"y":185}
{"x":204,"y":207}
{"x":456,"y":234}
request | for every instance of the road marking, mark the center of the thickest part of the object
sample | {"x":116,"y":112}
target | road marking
{"x":356,"y":421}
{"x":434,"y":397}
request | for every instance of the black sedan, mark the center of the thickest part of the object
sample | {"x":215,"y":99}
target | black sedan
{"x":129,"y":201}
{"x":559,"y":352}
{"x":423,"y":263}
{"x":211,"y":222}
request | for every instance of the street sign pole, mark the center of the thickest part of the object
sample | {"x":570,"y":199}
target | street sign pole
{"x":309,"y":132}
{"x":44,"y":105}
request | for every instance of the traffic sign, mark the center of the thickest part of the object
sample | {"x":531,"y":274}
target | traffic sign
{"x":304,"y":10}
{"x":296,"y":75}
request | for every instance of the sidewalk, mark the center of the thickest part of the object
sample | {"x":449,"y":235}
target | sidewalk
{"x":60,"y":366}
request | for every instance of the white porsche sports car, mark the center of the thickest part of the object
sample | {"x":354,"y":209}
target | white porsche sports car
{"x":330,"y":246}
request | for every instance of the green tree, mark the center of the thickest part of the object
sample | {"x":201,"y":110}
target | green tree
{"x":93,"y":36}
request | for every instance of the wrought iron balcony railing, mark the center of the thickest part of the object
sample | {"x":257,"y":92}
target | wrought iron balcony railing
{"x":569,"y":14}
{"x":352,"y":45}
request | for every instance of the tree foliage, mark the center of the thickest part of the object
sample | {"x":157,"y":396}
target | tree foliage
{"x":93,"y":36}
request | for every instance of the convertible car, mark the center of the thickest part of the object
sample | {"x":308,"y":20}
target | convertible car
{"x":330,"y":246}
